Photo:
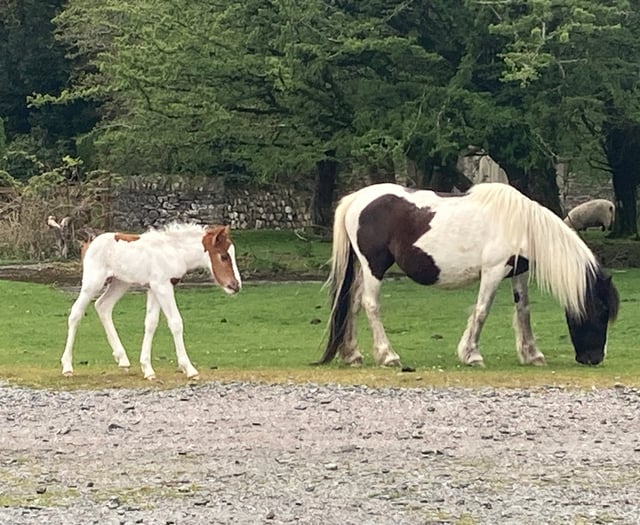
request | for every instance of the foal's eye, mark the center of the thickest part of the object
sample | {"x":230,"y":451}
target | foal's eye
{"x":224,"y":257}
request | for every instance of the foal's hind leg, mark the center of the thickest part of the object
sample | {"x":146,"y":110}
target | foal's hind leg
{"x":468,"y":351}
{"x":150,"y":325}
{"x":525,"y":341}
{"x":382,"y":351}
{"x":104,"y":306}
{"x":87,"y":293}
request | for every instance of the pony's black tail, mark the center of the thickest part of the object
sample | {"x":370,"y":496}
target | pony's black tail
{"x":341,"y":310}
{"x":340,"y":281}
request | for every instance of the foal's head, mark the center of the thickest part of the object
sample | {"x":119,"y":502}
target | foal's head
{"x":217,"y":243}
{"x":589,"y":333}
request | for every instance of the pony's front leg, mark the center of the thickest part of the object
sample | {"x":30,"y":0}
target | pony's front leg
{"x":164,"y":296}
{"x":382,"y":351}
{"x":525,"y":341}
{"x":468,"y":352}
{"x":150,"y":325}
{"x":75,"y":316}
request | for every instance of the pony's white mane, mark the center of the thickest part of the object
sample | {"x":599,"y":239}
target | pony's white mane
{"x":559,"y":260}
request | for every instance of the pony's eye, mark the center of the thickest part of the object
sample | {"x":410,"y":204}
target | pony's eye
{"x":224,"y":257}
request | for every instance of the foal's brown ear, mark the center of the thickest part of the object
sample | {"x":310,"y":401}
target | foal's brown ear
{"x":214,"y":236}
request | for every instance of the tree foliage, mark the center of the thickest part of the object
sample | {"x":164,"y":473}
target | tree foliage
{"x":276,"y":89}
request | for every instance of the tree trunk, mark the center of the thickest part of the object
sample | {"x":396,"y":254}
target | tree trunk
{"x":622,"y":149}
{"x":322,"y":200}
{"x":383,"y":171}
{"x":538,"y":184}
{"x":625,"y":194}
{"x":543,"y":188}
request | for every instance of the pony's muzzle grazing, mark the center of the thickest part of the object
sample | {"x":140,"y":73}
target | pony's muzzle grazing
{"x":590,"y":360}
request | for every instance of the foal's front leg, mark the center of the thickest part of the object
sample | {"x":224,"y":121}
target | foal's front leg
{"x":525,"y":341}
{"x":166,"y":299}
{"x":468,"y":351}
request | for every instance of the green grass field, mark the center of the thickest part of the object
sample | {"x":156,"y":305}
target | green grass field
{"x":271,"y":332}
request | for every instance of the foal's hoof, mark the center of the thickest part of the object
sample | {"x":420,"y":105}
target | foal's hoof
{"x":195,"y":377}
{"x":394,"y":362}
{"x":476,"y":363}
{"x":124,"y":369}
{"x":67,"y":373}
{"x":151,"y":377}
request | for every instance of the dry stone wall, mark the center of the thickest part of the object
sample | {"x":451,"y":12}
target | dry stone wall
{"x":154,"y":201}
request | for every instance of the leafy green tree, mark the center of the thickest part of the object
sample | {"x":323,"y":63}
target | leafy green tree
{"x":579,"y":58}
{"x":31,"y":61}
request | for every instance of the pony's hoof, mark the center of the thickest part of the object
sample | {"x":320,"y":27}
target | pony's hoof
{"x":539,"y":361}
{"x":476,"y":363}
{"x":124,"y":369}
{"x":150,"y":377}
{"x":393,"y":363}
{"x":355,"y":361}
{"x":195,"y":377}
{"x":67,"y":373}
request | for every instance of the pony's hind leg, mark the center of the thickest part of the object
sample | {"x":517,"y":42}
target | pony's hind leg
{"x":104,"y":306}
{"x":382,"y":351}
{"x":87,"y":293}
{"x":525,"y":341}
{"x":150,"y":325}
{"x":468,"y":352}
{"x":349,"y":351}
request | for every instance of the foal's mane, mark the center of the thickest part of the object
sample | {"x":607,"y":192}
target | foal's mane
{"x":175,"y":229}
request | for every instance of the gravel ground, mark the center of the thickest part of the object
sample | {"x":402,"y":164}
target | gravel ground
{"x":251,"y":454}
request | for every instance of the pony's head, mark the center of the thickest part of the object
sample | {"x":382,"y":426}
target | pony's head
{"x":224,"y":270}
{"x":589,"y":332}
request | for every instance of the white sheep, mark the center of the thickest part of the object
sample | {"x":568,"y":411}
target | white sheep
{"x":596,"y":212}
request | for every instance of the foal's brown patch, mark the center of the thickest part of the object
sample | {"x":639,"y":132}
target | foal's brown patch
{"x":388,"y":227}
{"x":126,"y":237}
{"x":83,"y":249}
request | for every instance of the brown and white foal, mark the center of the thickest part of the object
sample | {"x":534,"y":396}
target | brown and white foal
{"x":157,"y":260}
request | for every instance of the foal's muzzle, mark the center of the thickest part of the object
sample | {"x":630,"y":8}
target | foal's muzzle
{"x":233,"y":288}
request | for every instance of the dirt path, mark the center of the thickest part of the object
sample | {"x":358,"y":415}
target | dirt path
{"x":246,"y":454}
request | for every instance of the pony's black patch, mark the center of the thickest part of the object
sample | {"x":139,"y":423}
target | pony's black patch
{"x":387,"y":229}
{"x":518,"y":265}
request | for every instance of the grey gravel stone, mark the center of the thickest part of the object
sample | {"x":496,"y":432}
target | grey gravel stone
{"x":245,"y":454}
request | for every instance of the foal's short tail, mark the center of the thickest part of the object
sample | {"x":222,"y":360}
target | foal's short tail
{"x":340,"y":281}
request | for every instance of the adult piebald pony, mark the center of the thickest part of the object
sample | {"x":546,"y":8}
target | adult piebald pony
{"x":489,"y":233}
